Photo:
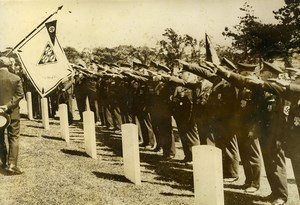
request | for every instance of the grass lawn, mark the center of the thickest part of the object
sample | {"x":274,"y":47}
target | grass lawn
{"x":59,"y":174}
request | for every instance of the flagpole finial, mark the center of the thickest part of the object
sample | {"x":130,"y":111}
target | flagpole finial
{"x":59,"y":8}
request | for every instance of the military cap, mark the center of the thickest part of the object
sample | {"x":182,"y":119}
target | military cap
{"x":272,"y":68}
{"x":138,"y":64}
{"x":4,"y":61}
{"x":105,"y":63}
{"x":113,"y":65}
{"x":246,"y":67}
{"x":124,"y":64}
{"x":294,"y":70}
{"x":228,"y":64}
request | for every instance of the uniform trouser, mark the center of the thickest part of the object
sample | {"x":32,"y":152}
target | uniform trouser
{"x":188,"y":136}
{"x":68,"y":102}
{"x":113,"y":116}
{"x":204,"y":132}
{"x":81,"y":101}
{"x":93,"y":103}
{"x":230,"y":154}
{"x":250,"y":157}
{"x":36,"y":105}
{"x":13,"y":131}
{"x":126,"y":116}
{"x":117,"y":116}
{"x":108,"y":114}
{"x":102,"y":115}
{"x":296,"y":168}
{"x":274,"y":161}
{"x":162,"y":127}
{"x":155,"y":119}
{"x":53,"y":104}
{"x":146,"y":128}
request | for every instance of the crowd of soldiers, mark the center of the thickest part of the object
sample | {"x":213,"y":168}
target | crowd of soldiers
{"x":247,"y":111}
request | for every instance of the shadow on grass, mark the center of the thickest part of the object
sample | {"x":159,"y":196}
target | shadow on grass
{"x":52,"y":138}
{"x":165,"y":183}
{"x":233,"y":186}
{"x":167,"y":171}
{"x":25,"y":135}
{"x":3,"y":171}
{"x":75,"y":152}
{"x":35,"y":126}
{"x":179,"y":195}
{"x":234,"y":198}
{"x":115,"y":177}
{"x":54,"y":123}
{"x":77,"y":132}
{"x":7,"y":173}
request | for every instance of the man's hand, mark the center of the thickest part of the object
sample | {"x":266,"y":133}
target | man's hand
{"x":221,"y":68}
{"x":281,"y":82}
{"x":210,"y":64}
{"x":157,"y":78}
{"x":182,"y":62}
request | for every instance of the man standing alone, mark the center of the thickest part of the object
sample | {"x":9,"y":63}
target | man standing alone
{"x":11,"y":92}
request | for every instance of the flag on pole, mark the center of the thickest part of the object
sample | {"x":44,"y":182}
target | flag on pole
{"x":211,"y":54}
{"x":43,"y":59}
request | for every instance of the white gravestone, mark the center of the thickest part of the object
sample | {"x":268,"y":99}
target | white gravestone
{"x":131,"y":157}
{"x":64,"y":122}
{"x":29,"y":105}
{"x":89,"y":131}
{"x":45,"y":114}
{"x":208,"y":175}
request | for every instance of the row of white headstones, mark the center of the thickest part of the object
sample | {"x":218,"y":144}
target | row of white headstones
{"x":207,"y":160}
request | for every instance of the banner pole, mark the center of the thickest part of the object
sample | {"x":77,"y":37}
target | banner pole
{"x":59,"y":8}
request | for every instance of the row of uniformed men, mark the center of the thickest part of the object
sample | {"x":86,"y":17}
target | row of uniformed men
{"x":236,"y":112}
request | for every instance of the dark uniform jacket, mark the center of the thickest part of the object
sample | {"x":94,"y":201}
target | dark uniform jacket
{"x":11,"y":92}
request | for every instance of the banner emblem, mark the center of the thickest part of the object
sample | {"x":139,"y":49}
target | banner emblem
{"x":51,"y":29}
{"x":48,"y":55}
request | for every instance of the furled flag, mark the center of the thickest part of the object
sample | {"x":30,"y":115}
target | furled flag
{"x":43,"y":59}
{"x":211,"y":54}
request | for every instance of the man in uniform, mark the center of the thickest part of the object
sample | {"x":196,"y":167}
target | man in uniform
{"x":183,"y":111}
{"x":11,"y":92}
{"x":161,"y":113}
{"x":247,"y":116}
{"x":217,"y":127}
{"x":271,"y":132}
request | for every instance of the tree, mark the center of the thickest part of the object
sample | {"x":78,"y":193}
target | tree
{"x":243,"y":41}
{"x":228,"y":52}
{"x":124,"y":53}
{"x":144,"y":54}
{"x":176,"y":46}
{"x":289,"y":20}
{"x":72,"y":54}
{"x":256,"y":40}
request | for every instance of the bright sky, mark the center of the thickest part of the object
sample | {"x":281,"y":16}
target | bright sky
{"x":93,"y":23}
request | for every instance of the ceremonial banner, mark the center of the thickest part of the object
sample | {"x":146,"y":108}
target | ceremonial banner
{"x":43,"y":59}
{"x":211,"y":54}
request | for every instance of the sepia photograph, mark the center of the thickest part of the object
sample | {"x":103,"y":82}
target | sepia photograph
{"x":150,"y":102}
